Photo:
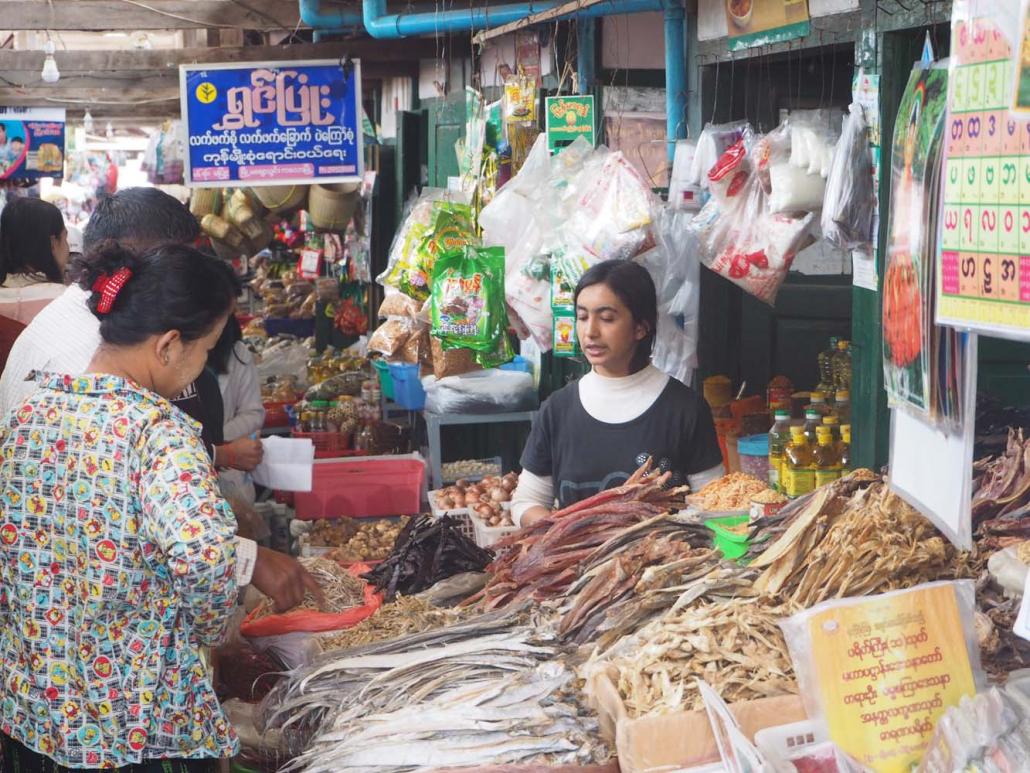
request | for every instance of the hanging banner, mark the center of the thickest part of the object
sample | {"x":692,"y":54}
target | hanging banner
{"x":568,"y":118}
{"x":31,"y":143}
{"x":911,"y":240}
{"x":983,"y":265}
{"x":272,"y":123}
{"x":763,"y":22}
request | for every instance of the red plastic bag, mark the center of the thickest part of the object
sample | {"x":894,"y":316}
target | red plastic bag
{"x":312,"y":621}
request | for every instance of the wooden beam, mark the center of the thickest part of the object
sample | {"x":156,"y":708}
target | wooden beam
{"x":537,"y":18}
{"x":370,"y":52}
{"x":100,"y":15}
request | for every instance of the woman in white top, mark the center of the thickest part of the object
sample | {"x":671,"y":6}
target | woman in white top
{"x":593,"y":434}
{"x":242,"y":409}
{"x":33,"y":257}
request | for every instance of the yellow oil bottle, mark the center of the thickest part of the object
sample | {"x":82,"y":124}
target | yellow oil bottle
{"x":798,"y":475}
{"x":845,"y":447}
{"x":826,"y":457}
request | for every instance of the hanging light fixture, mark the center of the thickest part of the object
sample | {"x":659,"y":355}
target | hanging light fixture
{"x":109,"y":131}
{"x":50,"y":73}
{"x":87,"y":122}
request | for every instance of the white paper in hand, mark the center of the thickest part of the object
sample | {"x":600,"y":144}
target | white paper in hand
{"x":1022,"y":626}
{"x":287,"y":464}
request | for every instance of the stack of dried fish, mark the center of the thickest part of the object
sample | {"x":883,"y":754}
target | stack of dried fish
{"x":1001,"y":502}
{"x":870,"y":542}
{"x":404,"y":615}
{"x":543,"y":560}
{"x":1001,"y":650}
{"x":489,"y":690}
{"x":611,"y":577}
{"x":341,"y":589}
{"x":736,"y":646}
{"x":427,"y":551}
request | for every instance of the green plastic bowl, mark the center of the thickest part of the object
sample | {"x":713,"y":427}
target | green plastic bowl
{"x":731,"y":545}
{"x":385,"y":379}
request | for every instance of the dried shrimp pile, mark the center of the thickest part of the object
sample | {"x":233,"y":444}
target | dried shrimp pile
{"x":871,"y":542}
{"x":341,"y":589}
{"x":736,"y":646}
{"x":731,"y":492}
{"x":408,"y":614}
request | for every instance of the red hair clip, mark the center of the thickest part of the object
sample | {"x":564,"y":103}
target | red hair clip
{"x":109,"y":285}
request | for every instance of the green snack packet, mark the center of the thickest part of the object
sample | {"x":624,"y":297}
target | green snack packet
{"x":468,"y":299}
{"x":564,"y":343}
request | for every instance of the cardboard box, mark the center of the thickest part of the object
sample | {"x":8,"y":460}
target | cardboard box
{"x":683,"y":739}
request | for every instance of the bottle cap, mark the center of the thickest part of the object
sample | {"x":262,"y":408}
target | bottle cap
{"x":811,"y":414}
{"x":842,"y":345}
{"x":843,"y":394}
{"x":818,"y":397}
{"x":782,"y":414}
{"x":830,"y":421}
{"x":823,"y":434}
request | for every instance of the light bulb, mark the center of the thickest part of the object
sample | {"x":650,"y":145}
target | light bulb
{"x":50,"y":73}
{"x":109,"y":131}
{"x":87,"y":122}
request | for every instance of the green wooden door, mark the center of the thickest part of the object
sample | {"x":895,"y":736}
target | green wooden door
{"x":446,"y":125}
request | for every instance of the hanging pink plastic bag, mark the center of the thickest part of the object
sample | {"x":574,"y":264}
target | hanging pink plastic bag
{"x":730,"y":176}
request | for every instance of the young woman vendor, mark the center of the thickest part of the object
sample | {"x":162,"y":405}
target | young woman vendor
{"x":593,"y":434}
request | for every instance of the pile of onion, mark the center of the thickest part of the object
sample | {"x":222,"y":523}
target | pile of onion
{"x":483,"y":499}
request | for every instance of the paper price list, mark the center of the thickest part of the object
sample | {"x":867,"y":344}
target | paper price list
{"x":984,"y":270}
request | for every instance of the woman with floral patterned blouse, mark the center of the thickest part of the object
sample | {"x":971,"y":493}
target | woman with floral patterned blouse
{"x":118,"y":557}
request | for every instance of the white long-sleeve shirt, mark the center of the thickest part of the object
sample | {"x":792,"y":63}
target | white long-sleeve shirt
{"x":241,"y":396}
{"x":612,"y":401}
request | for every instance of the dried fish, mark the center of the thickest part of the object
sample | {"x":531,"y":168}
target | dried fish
{"x":736,"y":646}
{"x":341,"y":589}
{"x":868,"y":543}
{"x":404,"y":615}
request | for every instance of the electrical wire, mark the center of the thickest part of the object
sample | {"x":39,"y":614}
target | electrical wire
{"x":170,"y":15}
{"x":262,"y":14}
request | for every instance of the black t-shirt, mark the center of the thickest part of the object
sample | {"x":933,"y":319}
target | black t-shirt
{"x":585,"y":456}
{"x":202,"y":401}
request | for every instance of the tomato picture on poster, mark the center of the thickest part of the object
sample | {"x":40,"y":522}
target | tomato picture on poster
{"x":915,"y":152}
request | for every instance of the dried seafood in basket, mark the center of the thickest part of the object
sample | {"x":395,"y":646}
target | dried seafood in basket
{"x":615,"y":570}
{"x":403,"y":616}
{"x":341,"y":589}
{"x":869,"y":542}
{"x":491,"y":689}
{"x":730,"y":492}
{"x":736,"y":646}
{"x":1002,"y":488}
{"x":426,"y":551}
{"x":543,"y":560}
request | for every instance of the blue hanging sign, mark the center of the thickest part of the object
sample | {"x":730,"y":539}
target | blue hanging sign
{"x":272,"y":123}
{"x":31,"y":142}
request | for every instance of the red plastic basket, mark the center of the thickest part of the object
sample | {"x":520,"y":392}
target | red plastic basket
{"x":362,"y":487}
{"x":276,"y":416}
{"x":328,"y":445}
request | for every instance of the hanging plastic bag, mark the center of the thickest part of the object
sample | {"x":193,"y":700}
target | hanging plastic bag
{"x":715,"y":139}
{"x":770,"y":150}
{"x":850,"y":198}
{"x":748,"y":245}
{"x":730,"y":175}
{"x":485,"y":391}
{"x":468,"y":299}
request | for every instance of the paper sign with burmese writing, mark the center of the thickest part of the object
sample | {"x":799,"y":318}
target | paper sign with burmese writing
{"x":272,"y":123}
{"x":569,"y":118}
{"x":880,"y":671}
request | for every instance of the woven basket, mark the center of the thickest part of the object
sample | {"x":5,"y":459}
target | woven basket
{"x":262,"y":239}
{"x":205,"y":201}
{"x":281,"y":198}
{"x":226,"y":251}
{"x":332,"y":206}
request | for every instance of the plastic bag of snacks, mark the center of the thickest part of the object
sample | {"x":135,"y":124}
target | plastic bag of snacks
{"x":468,"y":299}
{"x":749,"y":245}
{"x":613,"y":217}
{"x":391,"y":336}
{"x":402,"y":272}
{"x":850,"y":196}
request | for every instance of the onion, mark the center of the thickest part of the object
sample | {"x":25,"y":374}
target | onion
{"x":471,"y":499}
{"x":461,"y":484}
{"x":500,"y":495}
{"x":447,"y":503}
{"x":509,"y":483}
{"x":484,"y":511}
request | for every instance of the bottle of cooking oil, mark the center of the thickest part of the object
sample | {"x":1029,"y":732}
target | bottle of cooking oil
{"x":842,"y":366}
{"x":798,"y":470}
{"x":834,"y":424}
{"x":826,"y":457}
{"x":845,"y":446}
{"x":825,"y":360}
{"x":779,"y":436}
{"x":817,"y":402}
{"x":842,"y":406}
{"x":813,"y":419}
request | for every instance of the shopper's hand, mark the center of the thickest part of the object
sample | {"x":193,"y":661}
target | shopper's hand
{"x":242,"y":454}
{"x":283,"y":579}
{"x":534,"y":515}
